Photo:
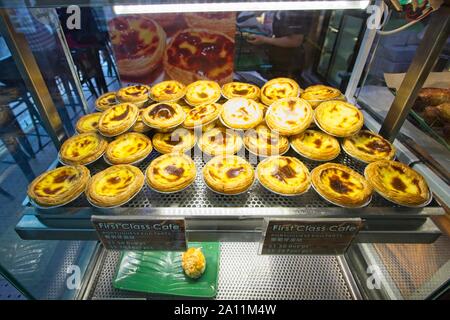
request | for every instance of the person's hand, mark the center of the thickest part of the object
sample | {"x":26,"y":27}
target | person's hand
{"x":256,"y":39}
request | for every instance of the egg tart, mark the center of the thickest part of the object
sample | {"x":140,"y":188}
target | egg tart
{"x":138,"y":43}
{"x":201,"y":92}
{"x":240,"y":90}
{"x":171,"y":172}
{"x":228,"y":174}
{"x":338,"y":118}
{"x":139,"y":125}
{"x":137,"y":94}
{"x":284,"y":175}
{"x":168,"y":91}
{"x":264,"y":142}
{"x":58,"y":186}
{"x":398,"y":183}
{"x":210,"y":126}
{"x":115,"y":185}
{"x":367,"y":146}
{"x":193,"y":263}
{"x":202,"y":115}
{"x":320,"y":93}
{"x":341,"y":185}
{"x":88,"y":123}
{"x":128,"y":148}
{"x":220,"y":141}
{"x":241,"y":113}
{"x":163,"y":115}
{"x":289,"y":116}
{"x":106,"y":101}
{"x":199,"y":54}
{"x":180,"y":140}
{"x":83,"y":148}
{"x":279,"y":88}
{"x":316,"y":145}
{"x":118,"y":119}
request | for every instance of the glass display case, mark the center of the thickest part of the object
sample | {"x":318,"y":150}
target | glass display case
{"x":150,"y":81}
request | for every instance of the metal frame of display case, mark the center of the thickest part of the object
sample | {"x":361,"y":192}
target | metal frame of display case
{"x":244,"y":224}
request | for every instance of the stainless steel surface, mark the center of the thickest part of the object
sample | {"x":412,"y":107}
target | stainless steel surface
{"x":33,"y":79}
{"x":243,"y":274}
{"x":426,"y":54}
{"x":237,"y":228}
{"x":404,"y":271}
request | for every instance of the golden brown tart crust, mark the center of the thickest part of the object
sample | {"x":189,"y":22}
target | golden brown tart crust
{"x":341,"y":185}
{"x":167,"y":91}
{"x":316,"y":145}
{"x":284,"y":175}
{"x":138,"y":94}
{"x":200,"y":54}
{"x":241,"y":90}
{"x":171,"y":172}
{"x":118,"y":119}
{"x":397,"y":182}
{"x":339,"y":118}
{"x":139,"y":125}
{"x":128,"y":148}
{"x":58,"y":186}
{"x":88,"y":123}
{"x":180,"y":140}
{"x":202,"y":115}
{"x":202,"y":92}
{"x":163,"y":115}
{"x":319,"y":93}
{"x":220,"y":141}
{"x":264,"y":142}
{"x":241,"y":113}
{"x":228,"y":174}
{"x":82,"y":149}
{"x":106,"y":101}
{"x":115,"y":185}
{"x":289,"y":116}
{"x":279,"y":88}
{"x":368,"y":147}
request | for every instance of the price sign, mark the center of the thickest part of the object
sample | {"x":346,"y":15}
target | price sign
{"x":140,"y":233}
{"x":309,"y":236}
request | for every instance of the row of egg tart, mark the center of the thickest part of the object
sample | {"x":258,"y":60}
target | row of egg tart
{"x":205,"y":91}
{"x":131,"y":147}
{"x":231,"y":175}
{"x":287,"y":116}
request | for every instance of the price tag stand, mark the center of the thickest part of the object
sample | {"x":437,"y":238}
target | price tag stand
{"x":140,"y":233}
{"x":309,"y":236}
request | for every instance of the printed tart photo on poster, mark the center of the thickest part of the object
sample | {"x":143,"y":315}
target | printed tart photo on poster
{"x":216,"y":21}
{"x":138,"y":43}
{"x":200,"y":54}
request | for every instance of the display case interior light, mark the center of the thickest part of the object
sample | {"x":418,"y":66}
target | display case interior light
{"x":240,"y":6}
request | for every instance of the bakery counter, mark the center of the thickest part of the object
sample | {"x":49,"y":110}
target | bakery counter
{"x":211,"y":216}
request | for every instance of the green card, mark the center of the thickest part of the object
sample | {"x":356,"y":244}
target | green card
{"x":160,"y":272}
